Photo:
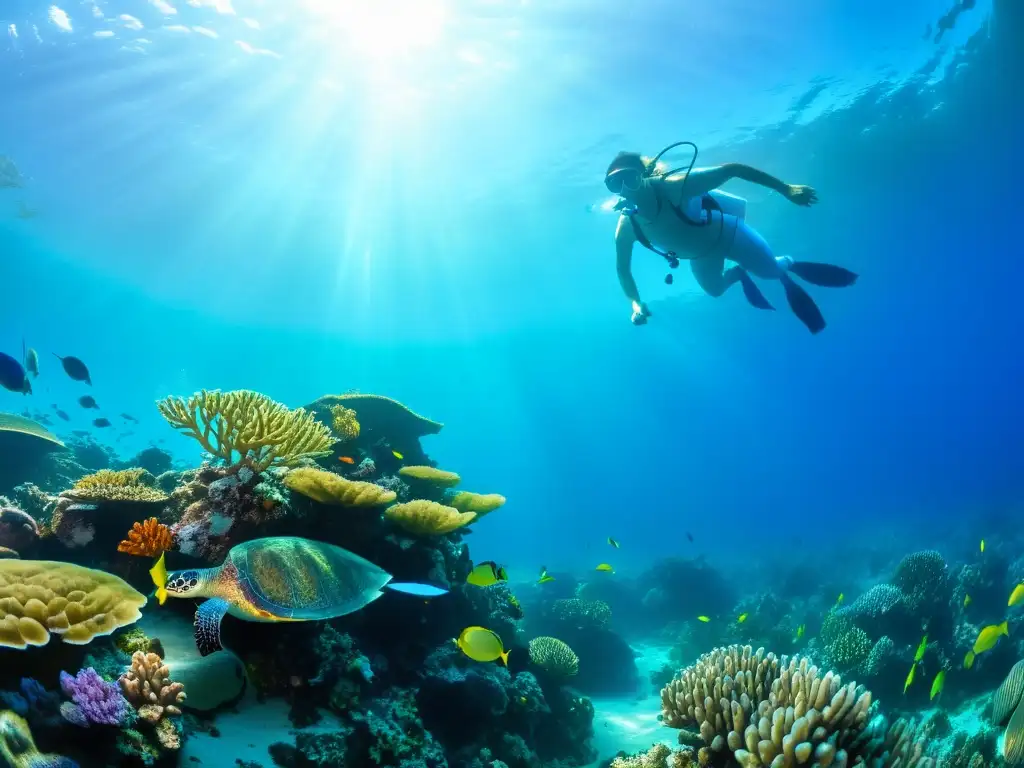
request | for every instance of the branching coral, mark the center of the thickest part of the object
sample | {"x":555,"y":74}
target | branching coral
{"x":147,"y":539}
{"x":554,"y":656}
{"x":147,"y":685}
{"x":432,"y":475}
{"x":94,"y":701}
{"x":658,"y":756}
{"x":115,"y":485}
{"x":245,"y":427}
{"x":481,"y":503}
{"x":344,"y":423}
{"x":330,"y":488}
{"x":765,"y":711}
{"x":428,"y":518}
{"x":39,"y":597}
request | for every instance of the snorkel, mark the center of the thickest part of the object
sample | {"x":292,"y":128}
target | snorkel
{"x":627,"y":173}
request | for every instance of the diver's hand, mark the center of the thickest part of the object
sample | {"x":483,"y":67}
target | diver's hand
{"x":640,"y":313}
{"x":801,"y":194}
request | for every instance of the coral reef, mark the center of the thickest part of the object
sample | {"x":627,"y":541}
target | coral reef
{"x":39,"y":598}
{"x":116,"y":485}
{"x":330,"y":488}
{"x":147,"y":685}
{"x":923,"y":579}
{"x":247,"y":428}
{"x":94,"y":701}
{"x":658,"y":756}
{"x":428,"y":518}
{"x":147,"y":539}
{"x":431,"y":475}
{"x":554,"y":657}
{"x":345,"y":423}
{"x":758,"y":708}
{"x":482,"y":504}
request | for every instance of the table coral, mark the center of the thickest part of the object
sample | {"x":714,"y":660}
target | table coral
{"x":428,"y":518}
{"x":147,"y":539}
{"x":330,"y":488}
{"x":94,"y":701}
{"x":147,"y":685}
{"x":116,"y":485}
{"x":481,"y":503}
{"x":248,"y":428}
{"x":554,"y":656}
{"x":432,"y":475}
{"x":40,"y":597}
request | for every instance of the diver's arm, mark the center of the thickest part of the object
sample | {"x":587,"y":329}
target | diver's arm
{"x":703,"y":180}
{"x":624,"y":240}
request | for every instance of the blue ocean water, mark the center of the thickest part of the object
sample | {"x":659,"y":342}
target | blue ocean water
{"x":406,"y":199}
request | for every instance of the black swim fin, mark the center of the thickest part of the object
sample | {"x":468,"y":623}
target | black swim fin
{"x":825,"y":275}
{"x":751,"y":291}
{"x":803,"y":305}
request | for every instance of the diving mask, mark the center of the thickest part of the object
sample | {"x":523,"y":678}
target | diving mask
{"x":623,"y":180}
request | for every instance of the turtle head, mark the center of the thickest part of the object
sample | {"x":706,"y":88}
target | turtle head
{"x":186,"y":583}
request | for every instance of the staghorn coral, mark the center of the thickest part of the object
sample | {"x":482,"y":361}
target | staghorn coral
{"x":18,"y":749}
{"x":147,"y":685}
{"x":765,"y":711}
{"x":344,"y":423}
{"x":94,"y":701}
{"x":330,"y":488}
{"x":247,"y":428}
{"x":923,"y":578}
{"x":40,"y":597}
{"x":147,"y":539}
{"x":554,"y":656}
{"x":428,"y":518}
{"x":589,"y":614}
{"x":432,"y":475}
{"x":115,"y":485}
{"x":658,"y":756}
{"x":481,"y":503}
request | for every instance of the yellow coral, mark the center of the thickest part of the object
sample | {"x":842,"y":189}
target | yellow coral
{"x":245,"y":427}
{"x":554,"y":656}
{"x":115,"y":485}
{"x":431,"y":475}
{"x":40,"y":597}
{"x":481,"y":503}
{"x":344,"y":423}
{"x":428,"y":518}
{"x":330,"y":488}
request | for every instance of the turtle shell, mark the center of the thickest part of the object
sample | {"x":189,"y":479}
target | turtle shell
{"x":294,"y":579}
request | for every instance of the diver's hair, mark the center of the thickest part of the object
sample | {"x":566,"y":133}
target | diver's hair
{"x":640,"y":162}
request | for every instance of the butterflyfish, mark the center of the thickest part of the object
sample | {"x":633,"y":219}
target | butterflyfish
{"x":1017,"y":595}
{"x":482,"y":645}
{"x":487,"y":573}
{"x":989,"y":636}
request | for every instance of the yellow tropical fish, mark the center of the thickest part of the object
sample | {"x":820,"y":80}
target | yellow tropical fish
{"x":967,"y":600}
{"x":937,"y":684}
{"x":969,"y":660}
{"x":159,"y":575}
{"x":921,"y":649}
{"x":800,"y":631}
{"x":1017,"y":595}
{"x":910,"y":677}
{"x":613,"y":542}
{"x":989,"y":636}
{"x":605,"y":567}
{"x":544,"y":577}
{"x":705,"y":619}
{"x":397,"y":455}
{"x":742,"y":618}
{"x":839,"y":600}
{"x":982,"y":545}
{"x":486,"y":574}
{"x":481,"y":644}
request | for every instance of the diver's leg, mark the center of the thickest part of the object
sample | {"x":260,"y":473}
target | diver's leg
{"x":712,"y":276}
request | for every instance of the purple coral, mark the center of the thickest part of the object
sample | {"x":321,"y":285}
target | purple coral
{"x":94,"y":700}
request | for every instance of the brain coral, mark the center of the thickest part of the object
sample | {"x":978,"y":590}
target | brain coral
{"x":554,"y":656}
{"x":40,"y":597}
{"x":923,"y":578}
{"x":768,"y":711}
{"x":330,"y":488}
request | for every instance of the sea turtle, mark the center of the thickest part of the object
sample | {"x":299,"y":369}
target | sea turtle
{"x":281,"y":578}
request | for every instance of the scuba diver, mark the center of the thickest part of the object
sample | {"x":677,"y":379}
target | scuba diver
{"x":691,"y":219}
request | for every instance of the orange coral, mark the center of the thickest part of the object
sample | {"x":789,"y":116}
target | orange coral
{"x":147,"y":539}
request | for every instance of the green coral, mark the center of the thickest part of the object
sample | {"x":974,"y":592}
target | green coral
{"x":132,"y":640}
{"x":554,"y":656}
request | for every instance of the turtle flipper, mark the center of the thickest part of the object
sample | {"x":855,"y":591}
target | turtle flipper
{"x":207,"y":625}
